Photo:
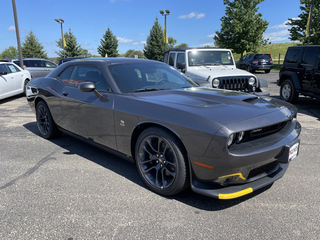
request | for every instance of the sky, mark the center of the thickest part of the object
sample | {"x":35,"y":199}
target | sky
{"x":190,"y":21}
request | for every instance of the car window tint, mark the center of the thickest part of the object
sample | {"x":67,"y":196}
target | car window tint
{"x":131,"y":77}
{"x":35,"y":63}
{"x":171,"y":59}
{"x":83,"y":73}
{"x":309,"y":57}
{"x":3,"y":68}
{"x":292,"y":56}
{"x":65,"y":75}
{"x":181,"y":58}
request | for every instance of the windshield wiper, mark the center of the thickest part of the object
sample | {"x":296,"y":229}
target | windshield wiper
{"x":147,"y":89}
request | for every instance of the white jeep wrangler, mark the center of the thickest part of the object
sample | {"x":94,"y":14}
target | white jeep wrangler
{"x":214,"y":67}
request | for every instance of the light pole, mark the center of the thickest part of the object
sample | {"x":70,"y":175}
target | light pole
{"x":61,"y":21}
{"x":165,"y":25}
{"x":17,"y":32}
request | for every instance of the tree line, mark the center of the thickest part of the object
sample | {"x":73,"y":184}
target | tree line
{"x":242,"y":29}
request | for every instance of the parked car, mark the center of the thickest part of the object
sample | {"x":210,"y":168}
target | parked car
{"x":214,"y":68}
{"x":38,"y":67}
{"x":13,"y":79}
{"x":222,"y":143}
{"x":256,"y":61}
{"x":300,"y":73}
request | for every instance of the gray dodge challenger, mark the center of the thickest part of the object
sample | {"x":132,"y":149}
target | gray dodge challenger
{"x":223,"y":144}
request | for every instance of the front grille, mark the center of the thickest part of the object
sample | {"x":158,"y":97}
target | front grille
{"x":265,"y":131}
{"x":236,"y":83}
{"x":263,"y":169}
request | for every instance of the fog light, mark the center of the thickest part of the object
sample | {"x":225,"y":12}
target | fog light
{"x":215,"y":83}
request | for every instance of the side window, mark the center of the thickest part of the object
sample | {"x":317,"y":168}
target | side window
{"x":65,"y":75}
{"x":49,"y":64}
{"x":34,"y":63}
{"x":292,"y":56}
{"x":171,"y":59}
{"x":83,"y":73}
{"x":12,"y":68}
{"x":181,"y":58}
{"x":3,"y":68}
{"x":309,"y":57}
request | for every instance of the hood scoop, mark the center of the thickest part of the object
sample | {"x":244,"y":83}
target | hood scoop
{"x":250,"y":99}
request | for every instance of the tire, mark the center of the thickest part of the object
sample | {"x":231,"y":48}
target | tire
{"x":162,"y":162}
{"x":267,"y":71}
{"x":47,"y":127}
{"x":25,"y":87}
{"x":287,"y":91}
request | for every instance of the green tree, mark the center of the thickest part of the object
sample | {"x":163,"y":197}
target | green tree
{"x":131,"y":53}
{"x":155,"y":45}
{"x":299,"y":25}
{"x":32,"y":48}
{"x":10,"y":52}
{"x":171,"y":42}
{"x":182,"y":45}
{"x":242,"y":27}
{"x":108,"y":45}
{"x":72,"y":48}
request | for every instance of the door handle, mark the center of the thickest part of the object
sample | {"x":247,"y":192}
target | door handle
{"x":65,"y":93}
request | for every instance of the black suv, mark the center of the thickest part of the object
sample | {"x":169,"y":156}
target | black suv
{"x":300,"y":73}
{"x":255,"y":61}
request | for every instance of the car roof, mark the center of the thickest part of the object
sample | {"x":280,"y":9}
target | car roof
{"x":190,"y":48}
{"x":305,"y":46}
{"x":111,"y":60}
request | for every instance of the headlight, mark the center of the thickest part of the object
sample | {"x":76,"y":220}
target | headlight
{"x":252,"y":81}
{"x":240,"y":136}
{"x":231,"y":140}
{"x":215,"y":83}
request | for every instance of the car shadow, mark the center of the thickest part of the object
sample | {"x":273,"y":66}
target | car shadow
{"x":128,"y":170}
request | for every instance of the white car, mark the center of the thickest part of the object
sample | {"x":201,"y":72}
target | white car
{"x":13,"y":79}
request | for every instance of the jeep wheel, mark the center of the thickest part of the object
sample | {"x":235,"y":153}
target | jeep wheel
{"x":287,"y":92}
{"x":267,"y":71}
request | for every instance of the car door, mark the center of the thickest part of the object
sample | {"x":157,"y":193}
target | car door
{"x":308,"y":67}
{"x":49,"y":66}
{"x":10,"y":80}
{"x":83,"y":113}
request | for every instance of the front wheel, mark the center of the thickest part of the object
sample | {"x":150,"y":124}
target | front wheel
{"x":287,"y":92}
{"x":45,"y":123}
{"x":161,"y":161}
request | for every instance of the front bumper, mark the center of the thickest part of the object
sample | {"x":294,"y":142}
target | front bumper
{"x":257,"y":182}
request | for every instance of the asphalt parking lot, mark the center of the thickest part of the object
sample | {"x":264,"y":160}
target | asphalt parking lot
{"x":66,"y":189}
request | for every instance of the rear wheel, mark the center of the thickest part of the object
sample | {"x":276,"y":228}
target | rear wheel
{"x":287,"y":91}
{"x":161,"y":161}
{"x":45,"y":123}
{"x":267,"y":71}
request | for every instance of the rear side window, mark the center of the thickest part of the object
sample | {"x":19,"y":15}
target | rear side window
{"x":292,"y":56}
{"x":309,"y":57}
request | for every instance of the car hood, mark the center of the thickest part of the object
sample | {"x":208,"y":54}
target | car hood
{"x":203,"y":72}
{"x":224,"y":107}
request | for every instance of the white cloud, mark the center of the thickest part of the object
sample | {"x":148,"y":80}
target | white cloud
{"x":139,"y":43}
{"x":210,"y":44}
{"x":211,"y":35}
{"x":11,"y":28}
{"x":277,"y":36}
{"x":124,"y":40}
{"x":192,"y":15}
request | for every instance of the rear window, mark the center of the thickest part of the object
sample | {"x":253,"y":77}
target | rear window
{"x":262,"y":56}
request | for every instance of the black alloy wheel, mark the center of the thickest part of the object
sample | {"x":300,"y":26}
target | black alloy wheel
{"x":161,"y":161}
{"x":46,"y":125}
{"x":287,"y":91}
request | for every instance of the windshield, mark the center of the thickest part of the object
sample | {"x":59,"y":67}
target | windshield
{"x":148,"y":76}
{"x":209,"y":58}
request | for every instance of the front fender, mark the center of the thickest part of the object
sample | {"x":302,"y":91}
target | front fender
{"x":290,"y":75}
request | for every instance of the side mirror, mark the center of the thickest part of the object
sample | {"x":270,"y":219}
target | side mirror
{"x":3,"y":73}
{"x":87,"y":87}
{"x":181,"y":66}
